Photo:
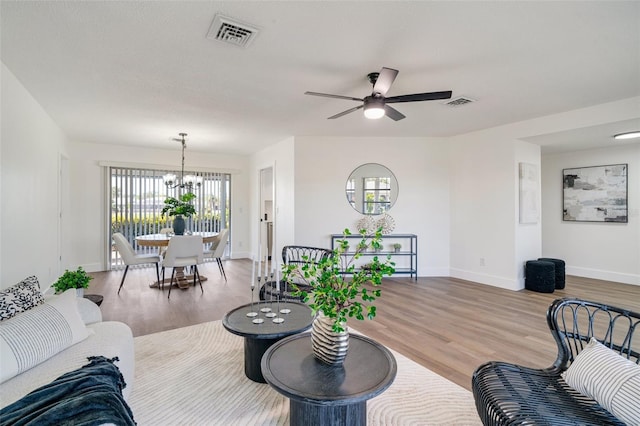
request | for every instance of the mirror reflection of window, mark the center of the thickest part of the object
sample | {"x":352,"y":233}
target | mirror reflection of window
{"x":371,"y":189}
{"x":351,"y":192}
{"x":377,"y":192}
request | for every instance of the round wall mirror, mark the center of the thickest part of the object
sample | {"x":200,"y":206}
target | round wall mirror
{"x":372,"y":189}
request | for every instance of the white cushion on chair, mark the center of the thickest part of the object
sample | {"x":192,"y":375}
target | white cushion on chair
{"x":612,"y":380}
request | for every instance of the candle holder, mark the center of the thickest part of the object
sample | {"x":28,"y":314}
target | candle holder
{"x":278,"y":320}
{"x":252,"y":313}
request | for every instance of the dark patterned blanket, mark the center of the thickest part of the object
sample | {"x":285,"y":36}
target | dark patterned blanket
{"x":90,"y":395}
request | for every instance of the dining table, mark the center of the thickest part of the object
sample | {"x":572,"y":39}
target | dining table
{"x":181,"y":279}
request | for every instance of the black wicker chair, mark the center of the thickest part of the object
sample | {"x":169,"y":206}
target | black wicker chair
{"x":293,"y":255}
{"x":509,"y":394}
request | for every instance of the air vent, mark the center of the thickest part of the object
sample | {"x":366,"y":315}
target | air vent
{"x":459,"y":101}
{"x":231,"y":31}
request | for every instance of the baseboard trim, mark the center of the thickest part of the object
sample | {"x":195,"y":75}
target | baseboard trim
{"x":492,"y":280}
{"x":93,"y":267}
{"x":599,"y":274}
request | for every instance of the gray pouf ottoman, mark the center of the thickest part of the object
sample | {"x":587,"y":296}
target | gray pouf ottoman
{"x":540,"y":276}
{"x":560,"y":271}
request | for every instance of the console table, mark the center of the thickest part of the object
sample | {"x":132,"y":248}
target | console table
{"x":259,"y":337}
{"x":320,"y":394}
{"x":406,"y":258}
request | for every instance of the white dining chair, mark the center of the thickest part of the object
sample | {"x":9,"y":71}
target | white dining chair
{"x":217,"y":250}
{"x":165,"y":231}
{"x":183,"y":251}
{"x":130,"y":257}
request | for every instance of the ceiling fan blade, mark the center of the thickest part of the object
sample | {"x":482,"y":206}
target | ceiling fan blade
{"x":326,"y":95}
{"x":393,"y":113}
{"x":385,"y":80}
{"x":416,"y":97}
{"x":345,"y":112}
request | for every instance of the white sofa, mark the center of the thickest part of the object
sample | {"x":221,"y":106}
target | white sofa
{"x":106,"y":338}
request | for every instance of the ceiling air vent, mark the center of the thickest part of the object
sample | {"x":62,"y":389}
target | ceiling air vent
{"x":459,"y":101}
{"x":231,"y":31}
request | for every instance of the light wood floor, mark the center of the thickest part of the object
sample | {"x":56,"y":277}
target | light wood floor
{"x":450,"y":326}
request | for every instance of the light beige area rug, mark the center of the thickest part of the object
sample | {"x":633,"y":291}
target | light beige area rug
{"x":195,"y":376}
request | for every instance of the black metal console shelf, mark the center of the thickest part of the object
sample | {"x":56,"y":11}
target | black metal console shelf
{"x":406,"y":259}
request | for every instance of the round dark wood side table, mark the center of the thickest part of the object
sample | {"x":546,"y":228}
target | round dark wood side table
{"x":320,"y":394}
{"x":95,"y":298}
{"x":259,"y":337}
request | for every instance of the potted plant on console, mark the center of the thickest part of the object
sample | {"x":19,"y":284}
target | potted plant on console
{"x":180,"y":207}
{"x":339,"y":289}
{"x":78,"y":279}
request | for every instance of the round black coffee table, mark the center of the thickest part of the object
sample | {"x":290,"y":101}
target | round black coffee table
{"x":259,"y":337}
{"x":320,"y":394}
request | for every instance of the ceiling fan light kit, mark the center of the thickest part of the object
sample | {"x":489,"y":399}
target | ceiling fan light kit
{"x":373,"y":108}
{"x":375,"y":105}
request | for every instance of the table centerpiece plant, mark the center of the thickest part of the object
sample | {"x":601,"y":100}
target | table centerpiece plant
{"x":337,"y":289}
{"x":179,"y":208}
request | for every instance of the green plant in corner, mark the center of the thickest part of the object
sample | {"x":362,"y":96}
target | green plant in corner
{"x":339,"y":288}
{"x":180,"y":206}
{"x":72,"y":279}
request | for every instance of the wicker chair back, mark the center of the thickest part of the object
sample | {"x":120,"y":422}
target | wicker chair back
{"x":511,"y":394}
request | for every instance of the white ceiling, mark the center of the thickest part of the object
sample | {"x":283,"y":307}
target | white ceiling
{"x":140,"y":72}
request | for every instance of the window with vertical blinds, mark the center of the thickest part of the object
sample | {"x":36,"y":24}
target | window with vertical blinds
{"x":137,"y":198}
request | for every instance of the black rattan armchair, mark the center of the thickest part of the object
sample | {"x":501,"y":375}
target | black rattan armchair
{"x":509,"y":394}
{"x":294,"y":255}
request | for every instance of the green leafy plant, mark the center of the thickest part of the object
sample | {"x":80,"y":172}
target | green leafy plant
{"x":179,"y":206}
{"x":72,"y":279}
{"x":339,"y":288}
{"x":397,"y":246}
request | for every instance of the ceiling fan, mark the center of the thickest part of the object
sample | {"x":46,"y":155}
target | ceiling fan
{"x":375,"y":105}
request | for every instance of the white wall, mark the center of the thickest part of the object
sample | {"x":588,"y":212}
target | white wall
{"x":528,"y":236}
{"x":484,"y":209}
{"x":609,"y":251}
{"x":322,"y":166}
{"x":30,"y":151}
{"x":88,"y":186}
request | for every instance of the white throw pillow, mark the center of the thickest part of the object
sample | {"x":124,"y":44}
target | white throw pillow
{"x":612,"y":380}
{"x":36,"y":335}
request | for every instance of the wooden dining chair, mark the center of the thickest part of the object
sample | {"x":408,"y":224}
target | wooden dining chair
{"x":183,"y":251}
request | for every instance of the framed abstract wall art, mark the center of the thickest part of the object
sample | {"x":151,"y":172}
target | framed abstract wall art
{"x":595,"y":194}
{"x":528,"y":193}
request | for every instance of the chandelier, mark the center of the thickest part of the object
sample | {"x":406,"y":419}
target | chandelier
{"x":184,"y":182}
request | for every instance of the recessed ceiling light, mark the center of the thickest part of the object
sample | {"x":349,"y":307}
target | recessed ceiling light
{"x":628,"y":135}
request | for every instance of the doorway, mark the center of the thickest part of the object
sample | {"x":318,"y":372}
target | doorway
{"x":266,"y":236}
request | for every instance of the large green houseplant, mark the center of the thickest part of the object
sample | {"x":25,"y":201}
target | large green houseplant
{"x":179,"y":207}
{"x":339,"y":288}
